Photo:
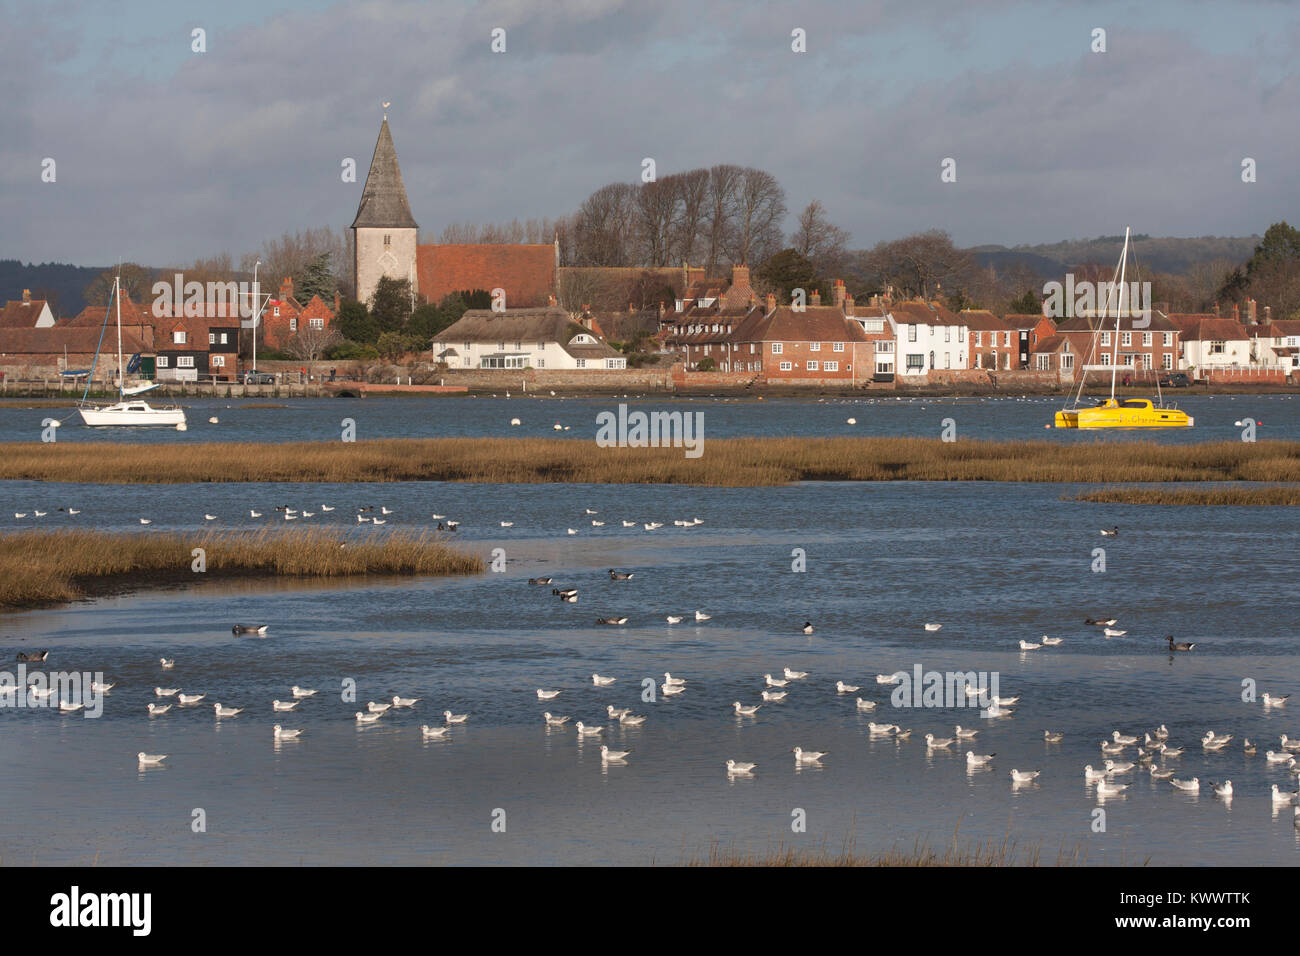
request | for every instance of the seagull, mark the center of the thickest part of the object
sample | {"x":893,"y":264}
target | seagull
{"x":933,"y":627}
{"x":807,"y":627}
{"x":190,"y":698}
{"x":362,"y":519}
{"x":425,"y":730}
{"x":1005,"y":701}
{"x":547,"y":694}
{"x":1109,"y":534}
{"x":745,"y":711}
{"x":733,"y":767}
{"x":1091,"y":776}
{"x":1223,"y":789}
{"x":938,"y":743}
{"x":1274,"y":701}
{"x":507,"y":524}
{"x":1159,"y":774}
{"x":1272,"y":757}
{"x":585,"y":731}
{"x":1284,"y":797}
{"x":20,"y":514}
{"x":166,"y":691}
{"x":254,"y":514}
{"x":652,"y":525}
{"x":673,"y":619}
{"x":156,"y":709}
{"x":670,"y":689}
{"x":629,"y":524}
{"x":408,"y":701}
{"x":876,"y":728}
{"x":589,"y":511}
{"x":1193,"y":784}
{"x":1122,"y":739}
{"x":383,"y":510}
{"x":363,"y":718}
{"x":1289,"y":744}
{"x":552,"y":721}
{"x":300,"y":692}
{"x":1113,"y":767}
{"x":1050,"y":641}
{"x":978,"y":760}
{"x":807,"y":756}
{"x":1248,"y":747}
{"x":1112,"y":632}
{"x":1029,"y":645}
{"x":326,"y":508}
{"x":282,"y":734}
{"x":150,"y":760}
{"x":227,"y":711}
{"x":865,"y":704}
{"x":1211,"y":742}
{"x":454,"y":718}
{"x":701,"y":616}
{"x":374,"y":520}
{"x":602,"y":681}
{"x":1111,"y":748}
{"x":67,"y":707}
{"x":144,"y":520}
{"x":437,"y":517}
{"x":284,"y":705}
{"x":606,"y":755}
{"x":963,"y":734}
{"x":377,"y":708}
{"x":597,"y":524}
{"x":1181,"y":646}
{"x":775,"y":695}
{"x":617,"y":713}
{"x":843,"y":688}
{"x":105,"y":688}
{"x":40,"y":694}
{"x":249,"y":629}
{"x":794,"y":675}
{"x":1106,"y":788}
{"x":1171,"y":752}
{"x":774,"y":682}
{"x":208,"y":517}
{"x":1162,"y":732}
{"x":631,"y":720}
{"x":167,"y":664}
{"x":1024,"y":776}
{"x":995,"y":711}
{"x":74,"y":511}
{"x":674,"y":681}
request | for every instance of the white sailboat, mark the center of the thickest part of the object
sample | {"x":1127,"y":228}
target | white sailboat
{"x":124,"y":411}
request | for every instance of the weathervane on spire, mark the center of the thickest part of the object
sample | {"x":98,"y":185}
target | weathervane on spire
{"x":386,"y":105}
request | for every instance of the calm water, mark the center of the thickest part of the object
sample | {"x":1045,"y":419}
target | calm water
{"x":319,"y":419}
{"x":994,"y":563}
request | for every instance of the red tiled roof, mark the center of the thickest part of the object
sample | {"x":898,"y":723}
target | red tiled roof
{"x":982,"y":320}
{"x":914,"y":312}
{"x":816,"y":323}
{"x":1025,"y":320}
{"x":21,"y":315}
{"x":79,"y":340}
{"x":1207,"y":327}
{"x":525,"y":272}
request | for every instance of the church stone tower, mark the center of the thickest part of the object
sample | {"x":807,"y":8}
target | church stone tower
{"x":384,"y":233}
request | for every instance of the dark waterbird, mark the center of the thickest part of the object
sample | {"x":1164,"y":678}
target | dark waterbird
{"x":539,"y":580}
{"x":1180,"y":645}
{"x":249,"y":629}
{"x":620,"y":575}
{"x":32,"y":657}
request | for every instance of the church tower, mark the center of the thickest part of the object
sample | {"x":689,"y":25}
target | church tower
{"x":384,"y":233}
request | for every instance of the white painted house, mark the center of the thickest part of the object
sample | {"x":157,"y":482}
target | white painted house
{"x":927,"y":337}
{"x":539,"y":338}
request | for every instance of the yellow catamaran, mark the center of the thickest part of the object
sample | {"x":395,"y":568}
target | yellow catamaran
{"x":1113,"y":412}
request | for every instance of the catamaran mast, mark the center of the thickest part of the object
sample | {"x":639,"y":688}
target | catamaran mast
{"x":1119,"y":312}
{"x":121,"y":373}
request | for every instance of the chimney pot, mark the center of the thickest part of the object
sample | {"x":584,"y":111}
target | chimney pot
{"x":771,"y":302}
{"x":816,"y":297}
{"x":27,"y":296}
{"x":848,"y":305}
{"x":1236,"y":312}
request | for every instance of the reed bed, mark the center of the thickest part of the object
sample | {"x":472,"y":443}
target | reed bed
{"x":990,"y":853}
{"x":733,"y":462}
{"x":1268,"y":495}
{"x":39,"y":568}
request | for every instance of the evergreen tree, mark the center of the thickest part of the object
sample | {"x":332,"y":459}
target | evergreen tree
{"x":355,"y":324}
{"x":317,"y":279}
{"x":390,"y":305}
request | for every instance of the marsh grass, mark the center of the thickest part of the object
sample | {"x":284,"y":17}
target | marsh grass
{"x":1268,"y":495}
{"x":732,"y":462}
{"x":40,"y":568}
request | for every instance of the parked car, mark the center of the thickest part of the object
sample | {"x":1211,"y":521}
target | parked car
{"x":1176,"y":380}
{"x":254,"y":377}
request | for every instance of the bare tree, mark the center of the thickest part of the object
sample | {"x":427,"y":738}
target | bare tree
{"x":759,"y":212}
{"x":719,"y":213}
{"x":656,"y":219}
{"x":309,"y":344}
{"x":603,"y":226}
{"x":824,"y":244}
{"x":920,"y":264}
{"x":692,"y":190}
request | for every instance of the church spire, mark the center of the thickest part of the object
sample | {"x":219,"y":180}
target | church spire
{"x":383,"y":201}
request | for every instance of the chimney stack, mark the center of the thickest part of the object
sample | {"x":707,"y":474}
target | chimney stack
{"x":27,"y":296}
{"x":1236,"y":312}
{"x":286,"y":287}
{"x":848,"y":305}
{"x":1250,"y":311}
{"x":337,"y":301}
{"x":771,"y":303}
{"x":816,"y":298}
{"x":740,"y":277}
{"x":1268,"y":315}
{"x":837,"y":294}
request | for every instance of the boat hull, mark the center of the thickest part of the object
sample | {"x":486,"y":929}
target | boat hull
{"x":130,"y":413}
{"x":1130,"y":415}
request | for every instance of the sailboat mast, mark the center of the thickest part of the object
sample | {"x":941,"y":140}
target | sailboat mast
{"x":1119,"y":312}
{"x":121,"y":373}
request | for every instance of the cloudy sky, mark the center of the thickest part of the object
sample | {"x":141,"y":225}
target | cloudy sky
{"x":163,"y":154}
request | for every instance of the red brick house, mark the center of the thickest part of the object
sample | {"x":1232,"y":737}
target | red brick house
{"x":1031,"y":328}
{"x":26,"y":313}
{"x":285,"y":315}
{"x":992,"y":342}
{"x":818,"y":343}
{"x":1144,"y":350}
{"x":190,"y":349}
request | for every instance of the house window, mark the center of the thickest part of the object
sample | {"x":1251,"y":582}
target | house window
{"x":814,"y":347}
{"x":1105,"y":338}
{"x":947,"y":333}
{"x":831,"y":366}
{"x":1126,"y":339}
{"x":884,"y":368}
{"x":1105,"y":358}
{"x":1067,"y":363}
{"x":317,"y":323}
{"x":911,"y":334}
{"x":979,"y":340}
{"x":1167,"y":362}
{"x":162,"y":361}
{"x":947,"y":359}
{"x":1216,"y":348}
{"x":218,"y":361}
{"x":541,"y":346}
{"x":224,"y":338}
{"x":812,"y":366}
{"x":786,"y":366}
{"x":582,"y":363}
{"x":777,"y":348}
{"x":1146,"y":338}
{"x":293,"y":325}
{"x":837,"y":347}
{"x":388,"y":240}
{"x":1169,"y":339}
{"x":1146,"y":360}
{"x":185,"y":361}
{"x":751,"y":348}
{"x":178,"y":337}
{"x":212,"y":338}
{"x":1043,"y":361}
{"x":884,"y":345}
{"x":915,"y":361}
{"x":277,"y":311}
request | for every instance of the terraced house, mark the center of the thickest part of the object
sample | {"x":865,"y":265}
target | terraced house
{"x":994,"y":344}
{"x":929,"y":338}
{"x":1143,"y":347}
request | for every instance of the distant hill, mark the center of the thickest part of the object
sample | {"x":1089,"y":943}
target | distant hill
{"x":62,"y":284}
{"x":1158,"y":254}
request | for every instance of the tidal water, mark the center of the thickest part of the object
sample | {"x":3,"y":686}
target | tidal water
{"x":993,"y":563}
{"x":1006,"y":418}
